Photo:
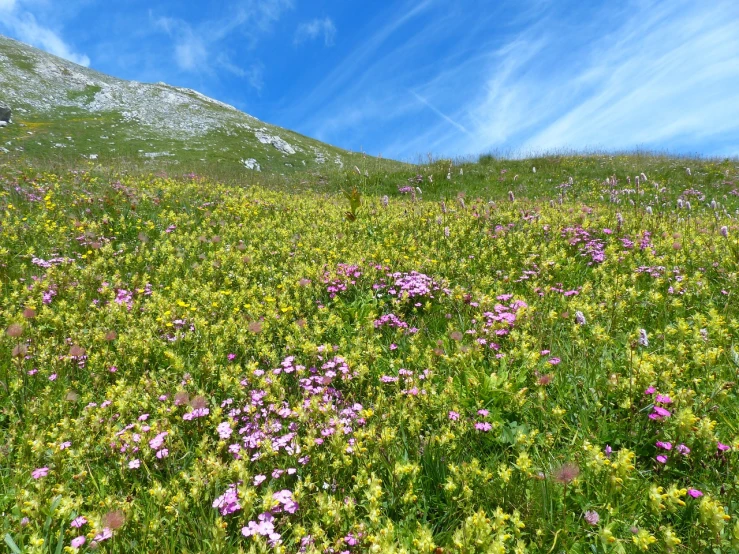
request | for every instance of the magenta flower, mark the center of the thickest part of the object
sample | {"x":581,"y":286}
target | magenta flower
{"x":40,"y":472}
{"x":723,"y":447}
{"x":659,"y":413}
{"x":662,"y":459}
{"x":649,"y":391}
{"x":454,"y":416}
{"x":695,"y":493}
{"x":483,"y":413}
{"x":682,"y":449}
{"x":663,"y":399}
{"x":52,"y":377}
{"x":665,"y":445}
{"x":483,"y":426}
{"x":554,"y":361}
{"x":78,"y":541}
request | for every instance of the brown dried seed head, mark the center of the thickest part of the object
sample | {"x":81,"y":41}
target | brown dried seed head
{"x":14,"y":330}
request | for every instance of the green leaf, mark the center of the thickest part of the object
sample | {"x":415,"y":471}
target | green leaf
{"x":60,"y":542}
{"x":11,"y":544}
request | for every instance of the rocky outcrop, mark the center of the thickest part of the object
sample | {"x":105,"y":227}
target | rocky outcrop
{"x":281,"y":144}
{"x":5,"y":113}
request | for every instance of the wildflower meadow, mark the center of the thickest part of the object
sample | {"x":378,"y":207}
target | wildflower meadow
{"x":528,"y":356}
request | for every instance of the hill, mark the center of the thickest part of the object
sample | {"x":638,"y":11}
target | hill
{"x":65,"y":111}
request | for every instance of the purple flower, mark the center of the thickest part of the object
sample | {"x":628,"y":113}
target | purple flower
{"x":285,"y":498}
{"x":228,"y":502}
{"x":554,"y":361}
{"x":650,"y":390}
{"x":682,"y":449}
{"x":483,"y":412}
{"x":454,"y":416}
{"x":483,"y":426}
{"x":695,"y":493}
{"x":608,"y":451}
{"x":40,"y":472}
{"x":103,"y":535}
{"x":662,"y":459}
{"x":664,"y":445}
{"x":663,"y":399}
{"x":723,"y":447}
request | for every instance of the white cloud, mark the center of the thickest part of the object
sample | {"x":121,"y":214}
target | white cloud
{"x":23,"y":25}
{"x":311,"y":30}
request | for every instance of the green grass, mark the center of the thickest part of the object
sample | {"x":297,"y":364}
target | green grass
{"x":211,"y":278}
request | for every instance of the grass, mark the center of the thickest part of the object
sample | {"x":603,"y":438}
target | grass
{"x":494,"y":361}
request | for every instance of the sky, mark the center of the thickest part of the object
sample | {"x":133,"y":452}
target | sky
{"x":452,"y":78}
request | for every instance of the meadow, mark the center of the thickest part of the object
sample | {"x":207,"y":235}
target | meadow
{"x":505,"y":356}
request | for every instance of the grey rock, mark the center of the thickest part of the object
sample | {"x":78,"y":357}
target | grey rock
{"x":5,"y":113}
{"x":3,"y":123}
{"x":251,"y":163}
{"x":278,"y":142}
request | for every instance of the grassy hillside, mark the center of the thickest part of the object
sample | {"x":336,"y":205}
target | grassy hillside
{"x":489,"y":359}
{"x":63,"y":111}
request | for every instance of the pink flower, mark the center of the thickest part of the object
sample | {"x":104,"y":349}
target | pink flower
{"x":723,"y":447}
{"x":134,"y":464}
{"x":163,"y":453}
{"x":663,"y":399}
{"x":695,"y":493}
{"x":77,"y":542}
{"x":662,"y":459}
{"x":659,"y":413}
{"x":650,"y":390}
{"x":103,"y":535}
{"x":483,"y":426}
{"x":65,"y":445}
{"x":259,"y":479}
{"x":483,"y":413}
{"x":682,"y":449}
{"x":78,"y":522}
{"x":454,"y":416}
{"x":554,"y":361}
{"x":40,"y":472}
{"x":665,"y":445}
{"x":52,"y":377}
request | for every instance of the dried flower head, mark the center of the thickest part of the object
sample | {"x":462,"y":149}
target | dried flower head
{"x":114,"y":519}
{"x":14,"y":330}
{"x":29,"y":313}
{"x":566,"y":473}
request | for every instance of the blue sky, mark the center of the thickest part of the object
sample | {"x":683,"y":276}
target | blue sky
{"x":452,"y":78}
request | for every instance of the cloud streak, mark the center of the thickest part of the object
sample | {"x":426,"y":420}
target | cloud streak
{"x":655,"y":74}
{"x":311,"y":30}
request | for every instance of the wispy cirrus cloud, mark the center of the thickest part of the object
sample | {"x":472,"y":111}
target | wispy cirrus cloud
{"x":17,"y":19}
{"x":311,"y":30}
{"x":199,"y":47}
{"x":645,"y":73}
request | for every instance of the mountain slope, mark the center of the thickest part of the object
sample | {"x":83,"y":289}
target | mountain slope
{"x":66,"y":110}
